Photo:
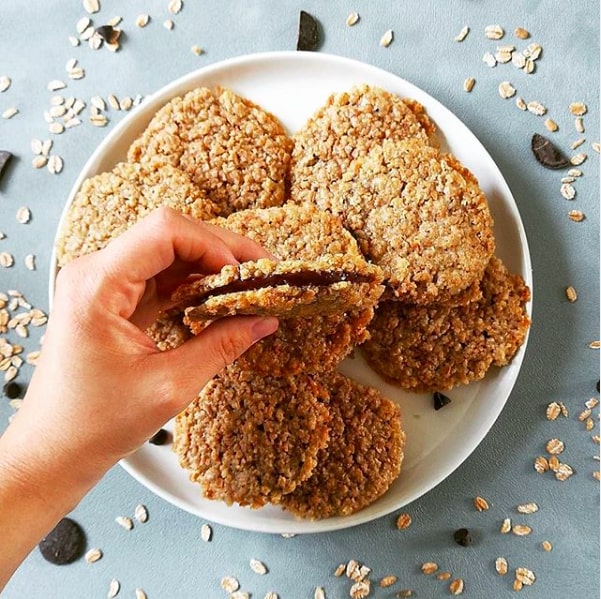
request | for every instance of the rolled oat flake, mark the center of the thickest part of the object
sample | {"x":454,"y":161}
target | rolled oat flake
{"x":547,"y":153}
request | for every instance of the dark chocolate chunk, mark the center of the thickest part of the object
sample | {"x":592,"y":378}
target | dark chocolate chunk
{"x":161,"y":437}
{"x":440,"y":400}
{"x":547,"y":153}
{"x":5,"y":156}
{"x":64,"y":543}
{"x":12,"y":390}
{"x":462,"y":537}
{"x":308,"y":32}
{"x":108,"y":33}
{"x":598,"y":382}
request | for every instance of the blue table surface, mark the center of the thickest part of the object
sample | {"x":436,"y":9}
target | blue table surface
{"x":166,"y":556}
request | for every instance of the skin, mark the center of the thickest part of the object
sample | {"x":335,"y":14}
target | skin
{"x":101,"y":387}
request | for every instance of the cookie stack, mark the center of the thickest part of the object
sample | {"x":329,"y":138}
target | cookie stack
{"x":451,"y":309}
{"x":381,"y":241}
{"x":280,"y":425}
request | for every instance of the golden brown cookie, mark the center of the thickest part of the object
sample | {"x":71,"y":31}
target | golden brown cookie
{"x":248,"y":439}
{"x":287,"y":288}
{"x":347,"y":127}
{"x":363,"y":456}
{"x":110,"y":203}
{"x":421,"y":216}
{"x":439,"y":346}
{"x":308,"y":343}
{"x":232,"y":149}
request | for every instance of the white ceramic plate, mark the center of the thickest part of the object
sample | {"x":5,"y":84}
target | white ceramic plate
{"x":293,"y":85}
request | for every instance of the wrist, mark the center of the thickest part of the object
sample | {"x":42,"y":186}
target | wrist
{"x":47,"y":477}
{"x":36,"y":491}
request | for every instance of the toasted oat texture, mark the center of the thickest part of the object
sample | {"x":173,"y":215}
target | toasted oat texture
{"x":109,"y":203}
{"x":313,"y":343}
{"x":168,"y":331}
{"x":421,"y":216}
{"x":290,"y":288}
{"x":363,"y":456}
{"x":467,"y":295}
{"x":435,"y":347}
{"x":347,"y":127}
{"x":231,"y":148}
{"x":249,"y":439}
{"x":310,"y":344}
{"x":294,"y":232}
{"x":424,"y":120}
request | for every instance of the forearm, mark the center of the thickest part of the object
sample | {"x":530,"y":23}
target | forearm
{"x":101,"y":387}
{"x":37,"y":488}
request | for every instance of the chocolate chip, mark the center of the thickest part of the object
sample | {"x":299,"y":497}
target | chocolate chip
{"x":598,"y":382}
{"x":440,"y":400}
{"x":161,"y":437}
{"x":64,"y":543}
{"x":12,"y":390}
{"x":308,"y":32}
{"x":547,"y":153}
{"x":462,"y":537}
{"x":4,"y":158}
{"x":108,"y":33}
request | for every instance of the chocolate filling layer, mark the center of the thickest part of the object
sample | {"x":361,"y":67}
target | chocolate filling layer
{"x":295,"y":279}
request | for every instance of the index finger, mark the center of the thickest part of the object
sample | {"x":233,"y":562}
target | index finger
{"x":154,"y":243}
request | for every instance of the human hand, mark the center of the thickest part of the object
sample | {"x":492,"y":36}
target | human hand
{"x":101,"y":387}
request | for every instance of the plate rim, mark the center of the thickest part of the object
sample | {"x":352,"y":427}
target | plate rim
{"x":160,"y":97}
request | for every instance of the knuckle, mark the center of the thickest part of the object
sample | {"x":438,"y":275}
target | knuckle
{"x":229,"y":347}
{"x":165,"y":215}
{"x":69,"y":280}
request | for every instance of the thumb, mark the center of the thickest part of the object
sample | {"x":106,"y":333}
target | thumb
{"x":197,"y":361}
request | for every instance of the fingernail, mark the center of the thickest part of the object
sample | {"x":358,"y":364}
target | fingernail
{"x":263,"y":327}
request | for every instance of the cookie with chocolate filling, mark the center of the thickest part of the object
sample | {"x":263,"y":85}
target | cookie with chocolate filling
{"x":363,"y":456}
{"x":231,"y":148}
{"x":320,"y":322}
{"x":439,"y":346}
{"x":248,"y":439}
{"x":290,"y":288}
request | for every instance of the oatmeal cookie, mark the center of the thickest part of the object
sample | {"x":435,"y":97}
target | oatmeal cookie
{"x":347,"y":127}
{"x":294,"y":232}
{"x":249,"y":439}
{"x":436,"y":347}
{"x":421,"y":216}
{"x":232,"y":149}
{"x":363,"y":456}
{"x":290,"y":288}
{"x":109,"y":203}
{"x":309,"y":343}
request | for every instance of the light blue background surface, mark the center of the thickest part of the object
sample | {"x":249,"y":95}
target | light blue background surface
{"x":166,"y":556}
